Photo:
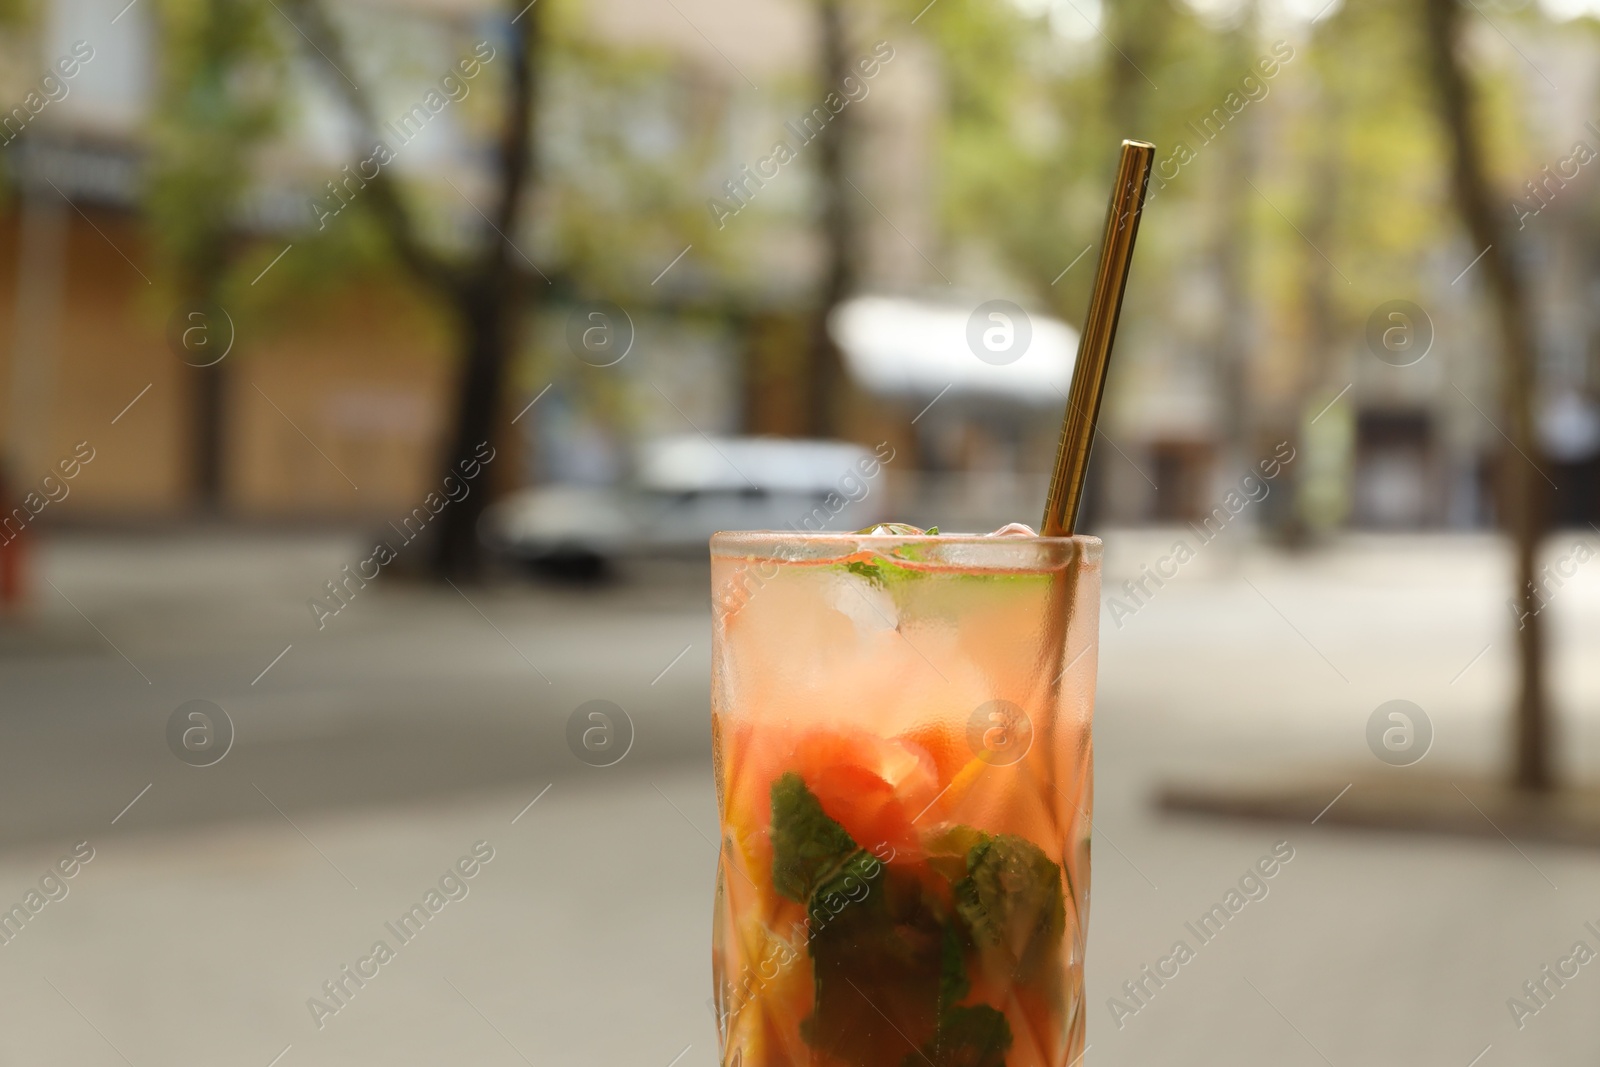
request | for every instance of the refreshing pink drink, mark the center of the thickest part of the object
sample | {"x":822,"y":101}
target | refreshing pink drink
{"x":903,"y":761}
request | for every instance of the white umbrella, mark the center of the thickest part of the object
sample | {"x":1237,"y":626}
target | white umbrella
{"x":900,"y":347}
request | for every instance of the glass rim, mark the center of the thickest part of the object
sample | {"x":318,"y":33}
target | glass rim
{"x":759,"y":537}
{"x":958,"y":550}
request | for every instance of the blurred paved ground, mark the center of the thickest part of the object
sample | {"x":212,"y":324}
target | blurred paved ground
{"x":375,"y":752}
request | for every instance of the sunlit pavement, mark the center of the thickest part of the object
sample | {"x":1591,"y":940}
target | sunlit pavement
{"x":375,"y":753}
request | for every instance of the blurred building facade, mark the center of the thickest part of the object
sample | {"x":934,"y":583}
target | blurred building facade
{"x":351,"y":388}
{"x":337,"y":408}
{"x":1387,"y":440}
{"x":88,"y":317}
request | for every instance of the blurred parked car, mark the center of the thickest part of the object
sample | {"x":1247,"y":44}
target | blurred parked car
{"x":685,"y":489}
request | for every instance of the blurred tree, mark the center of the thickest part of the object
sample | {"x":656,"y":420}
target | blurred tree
{"x":629,"y":136}
{"x":1036,"y":106}
{"x":488,"y":291}
{"x":1033,"y":117}
{"x":1309,"y":140}
{"x":1322,"y":165}
{"x":1023,"y":151}
{"x":1355,"y":148}
{"x":1231,"y":249}
{"x":1137,"y":31}
{"x":221,"y":81}
{"x":1521,"y":502}
{"x":836,"y":150}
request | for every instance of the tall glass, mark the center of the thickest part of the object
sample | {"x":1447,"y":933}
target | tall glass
{"x":901,"y":731}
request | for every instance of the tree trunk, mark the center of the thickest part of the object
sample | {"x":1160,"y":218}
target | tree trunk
{"x":210,"y":437}
{"x":825,"y":377}
{"x":489,"y":305}
{"x":1233,"y":353}
{"x":486,"y":320}
{"x":1317,"y":351}
{"x":1521,"y":503}
{"x":488,"y":297}
{"x":205,"y":264}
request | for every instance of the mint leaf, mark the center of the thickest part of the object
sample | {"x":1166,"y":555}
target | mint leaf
{"x":889,"y":958}
{"x":808,"y":848}
{"x":1012,"y":903}
{"x":870,"y":571}
{"x":948,"y":848}
{"x":953,"y":981}
{"x":884,"y":572}
{"x":976,"y":1036}
{"x":844,"y":886}
{"x":882,"y":967}
{"x":878,"y":950}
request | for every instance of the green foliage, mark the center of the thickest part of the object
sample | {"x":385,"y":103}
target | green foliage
{"x":630,"y":133}
{"x":1018,"y":145}
{"x":20,"y":15}
{"x":221,"y":83}
{"x":1263,"y":257}
{"x":1030,"y":104}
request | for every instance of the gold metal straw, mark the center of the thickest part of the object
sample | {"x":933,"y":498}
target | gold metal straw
{"x":1099,"y":334}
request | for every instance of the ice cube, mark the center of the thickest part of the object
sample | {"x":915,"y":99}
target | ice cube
{"x":863,"y":601}
{"x":894,"y":529}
